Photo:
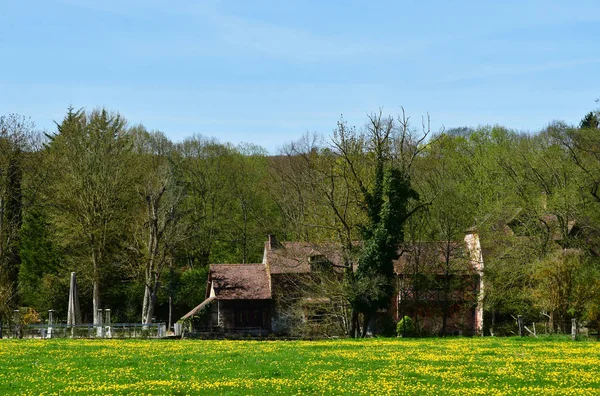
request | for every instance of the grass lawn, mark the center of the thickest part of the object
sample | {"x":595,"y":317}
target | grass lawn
{"x":462,"y":366}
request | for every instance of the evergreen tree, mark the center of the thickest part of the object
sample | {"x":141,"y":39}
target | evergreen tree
{"x":15,"y":135}
{"x":590,"y":121}
{"x":92,"y":191}
{"x":40,"y":262}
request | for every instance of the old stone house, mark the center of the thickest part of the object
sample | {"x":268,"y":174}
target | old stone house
{"x":246,"y":298}
{"x":440,"y":285}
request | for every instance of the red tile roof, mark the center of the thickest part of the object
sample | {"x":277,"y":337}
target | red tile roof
{"x":240,"y":281}
{"x":293,"y":257}
{"x":252,"y":282}
{"x":433,"y":257}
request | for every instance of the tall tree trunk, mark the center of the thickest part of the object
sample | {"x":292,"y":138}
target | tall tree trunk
{"x":153,"y":295}
{"x":170,"y":292}
{"x":170,"y":312}
{"x":354,"y":324}
{"x":146,"y":303}
{"x":150,"y":312}
{"x":148,"y":306}
{"x":96,"y":303}
{"x":366,"y":319}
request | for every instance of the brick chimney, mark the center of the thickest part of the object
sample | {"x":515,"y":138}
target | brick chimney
{"x":474,"y":247}
{"x":273,"y":242}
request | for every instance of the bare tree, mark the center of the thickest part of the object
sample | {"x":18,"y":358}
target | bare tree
{"x":161,"y":196}
{"x":294,"y":179}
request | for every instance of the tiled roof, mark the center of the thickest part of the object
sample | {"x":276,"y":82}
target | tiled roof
{"x":432,"y":256}
{"x":293,"y":257}
{"x":252,"y":282}
{"x":240,"y":281}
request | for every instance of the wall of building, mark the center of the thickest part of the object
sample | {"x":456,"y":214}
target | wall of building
{"x":245,"y":316}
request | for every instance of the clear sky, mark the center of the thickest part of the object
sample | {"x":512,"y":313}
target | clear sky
{"x":268,"y":71}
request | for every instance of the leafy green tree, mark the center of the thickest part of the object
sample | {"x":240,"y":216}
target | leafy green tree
{"x":15,"y":135}
{"x":202,"y":167}
{"x":188,"y":294}
{"x":248,"y":219}
{"x":476,"y":179}
{"x":564,"y":286}
{"x":91,"y":191}
{"x":583,"y":148}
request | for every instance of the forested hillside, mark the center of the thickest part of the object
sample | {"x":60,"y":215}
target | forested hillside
{"x":140,"y":217}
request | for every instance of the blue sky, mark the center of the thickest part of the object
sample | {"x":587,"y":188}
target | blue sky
{"x":268,"y":71}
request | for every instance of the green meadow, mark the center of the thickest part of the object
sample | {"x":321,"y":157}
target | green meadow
{"x":373,"y":366}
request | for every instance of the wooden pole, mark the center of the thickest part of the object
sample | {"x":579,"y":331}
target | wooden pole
{"x":573,"y":329}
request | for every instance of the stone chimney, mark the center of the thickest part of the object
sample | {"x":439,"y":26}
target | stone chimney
{"x":273,"y":242}
{"x":474,"y":247}
{"x":476,"y":258}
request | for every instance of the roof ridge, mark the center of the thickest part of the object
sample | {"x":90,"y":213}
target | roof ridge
{"x":236,"y":264}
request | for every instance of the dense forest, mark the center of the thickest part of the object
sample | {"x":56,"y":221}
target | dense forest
{"x":139,"y":217}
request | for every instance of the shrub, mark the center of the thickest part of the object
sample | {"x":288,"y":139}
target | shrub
{"x":405,"y":327}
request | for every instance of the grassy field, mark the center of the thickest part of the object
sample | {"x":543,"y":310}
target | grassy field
{"x":376,"y":366}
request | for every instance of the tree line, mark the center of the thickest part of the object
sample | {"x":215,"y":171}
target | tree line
{"x":139,"y":217}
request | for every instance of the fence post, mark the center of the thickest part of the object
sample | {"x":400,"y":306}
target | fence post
{"x":520,"y":323}
{"x":107,"y":324}
{"x":17,"y":329}
{"x":573,"y":329}
{"x":50,"y":322}
{"x":100,"y":325}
